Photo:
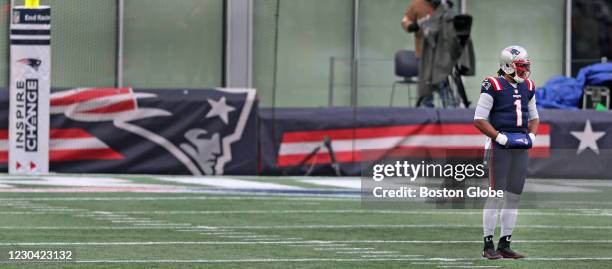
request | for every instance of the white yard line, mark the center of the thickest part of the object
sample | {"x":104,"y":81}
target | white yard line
{"x":335,"y":248}
{"x":69,"y":210}
{"x":311,"y":242}
{"x":298,"y":203}
{"x":34,"y":213}
{"x":329,"y":260}
{"x":274,"y":239}
{"x":308,"y":245}
{"x":98,"y":217}
{"x":142,"y":227}
{"x":162,"y":225}
{"x":390,"y":255}
{"x":184,"y":227}
{"x":595,"y":213}
{"x":342,"y":183}
{"x":231,"y":183}
{"x":204,"y":230}
{"x":403,"y":226}
{"x":250,"y":236}
{"x":219,"y":233}
{"x":367,"y":252}
{"x":469,"y":266}
{"x":181,"y":198}
{"x":441,"y":263}
{"x":263,"y":197}
{"x":137,"y":221}
{"x":103,"y":215}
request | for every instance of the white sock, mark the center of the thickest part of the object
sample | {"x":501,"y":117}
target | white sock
{"x":509,"y":213}
{"x":489,"y":215}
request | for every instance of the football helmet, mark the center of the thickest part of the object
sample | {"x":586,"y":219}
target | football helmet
{"x":515,"y":62}
{"x":435,"y":3}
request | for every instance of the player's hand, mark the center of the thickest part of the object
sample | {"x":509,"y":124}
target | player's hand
{"x":501,"y":139}
{"x":519,"y":141}
{"x":532,"y":136}
{"x":413,"y":27}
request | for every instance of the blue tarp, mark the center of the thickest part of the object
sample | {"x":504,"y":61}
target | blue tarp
{"x":596,"y":74}
{"x":559,"y":92}
{"x":565,"y":93}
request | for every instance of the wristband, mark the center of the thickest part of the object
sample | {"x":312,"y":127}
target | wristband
{"x":501,"y":139}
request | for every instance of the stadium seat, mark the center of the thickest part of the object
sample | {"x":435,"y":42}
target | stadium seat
{"x":406,"y":67}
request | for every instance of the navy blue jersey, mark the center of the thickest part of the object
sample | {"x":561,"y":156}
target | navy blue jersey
{"x":510,"y":112}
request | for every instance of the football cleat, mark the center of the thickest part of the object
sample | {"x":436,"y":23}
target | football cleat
{"x":489,"y":249}
{"x":508,"y":253}
{"x":491,"y":254}
{"x":504,"y":249}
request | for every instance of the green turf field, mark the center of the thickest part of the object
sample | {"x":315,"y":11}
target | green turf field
{"x":146,"y":222}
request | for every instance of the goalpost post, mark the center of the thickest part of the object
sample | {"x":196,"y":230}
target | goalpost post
{"x":30,"y":38}
{"x":32,"y":3}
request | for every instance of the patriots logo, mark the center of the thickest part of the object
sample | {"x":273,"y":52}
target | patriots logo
{"x":34,"y":63}
{"x":161,"y":130}
{"x":515,"y":52}
{"x":486,"y":85}
{"x":523,"y":140}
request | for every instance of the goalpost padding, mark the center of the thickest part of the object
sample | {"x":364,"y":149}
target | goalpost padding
{"x":30,"y":90}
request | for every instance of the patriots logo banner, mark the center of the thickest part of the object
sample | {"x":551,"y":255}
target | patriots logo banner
{"x":124,"y":130}
{"x":569,"y":144}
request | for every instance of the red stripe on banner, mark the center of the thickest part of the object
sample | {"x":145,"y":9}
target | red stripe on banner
{"x":69,"y":155}
{"x":84,"y":154}
{"x":320,"y":158}
{"x":539,"y":152}
{"x":373,"y":155}
{"x":86,"y":95}
{"x":75,"y":155}
{"x":57,"y":133}
{"x":377,"y":132}
{"x":117,"y":107}
{"x":544,"y":129}
{"x":69,"y":133}
{"x":403,"y":130}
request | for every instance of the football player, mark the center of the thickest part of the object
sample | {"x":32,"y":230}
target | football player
{"x":507,"y":115}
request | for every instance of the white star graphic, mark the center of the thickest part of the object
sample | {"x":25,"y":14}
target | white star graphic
{"x":588,"y":138}
{"x":219,"y":109}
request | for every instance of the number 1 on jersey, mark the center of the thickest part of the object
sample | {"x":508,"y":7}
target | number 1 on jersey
{"x":519,"y":113}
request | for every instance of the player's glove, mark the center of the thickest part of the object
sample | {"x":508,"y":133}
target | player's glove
{"x":519,"y":140}
{"x":413,"y":27}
